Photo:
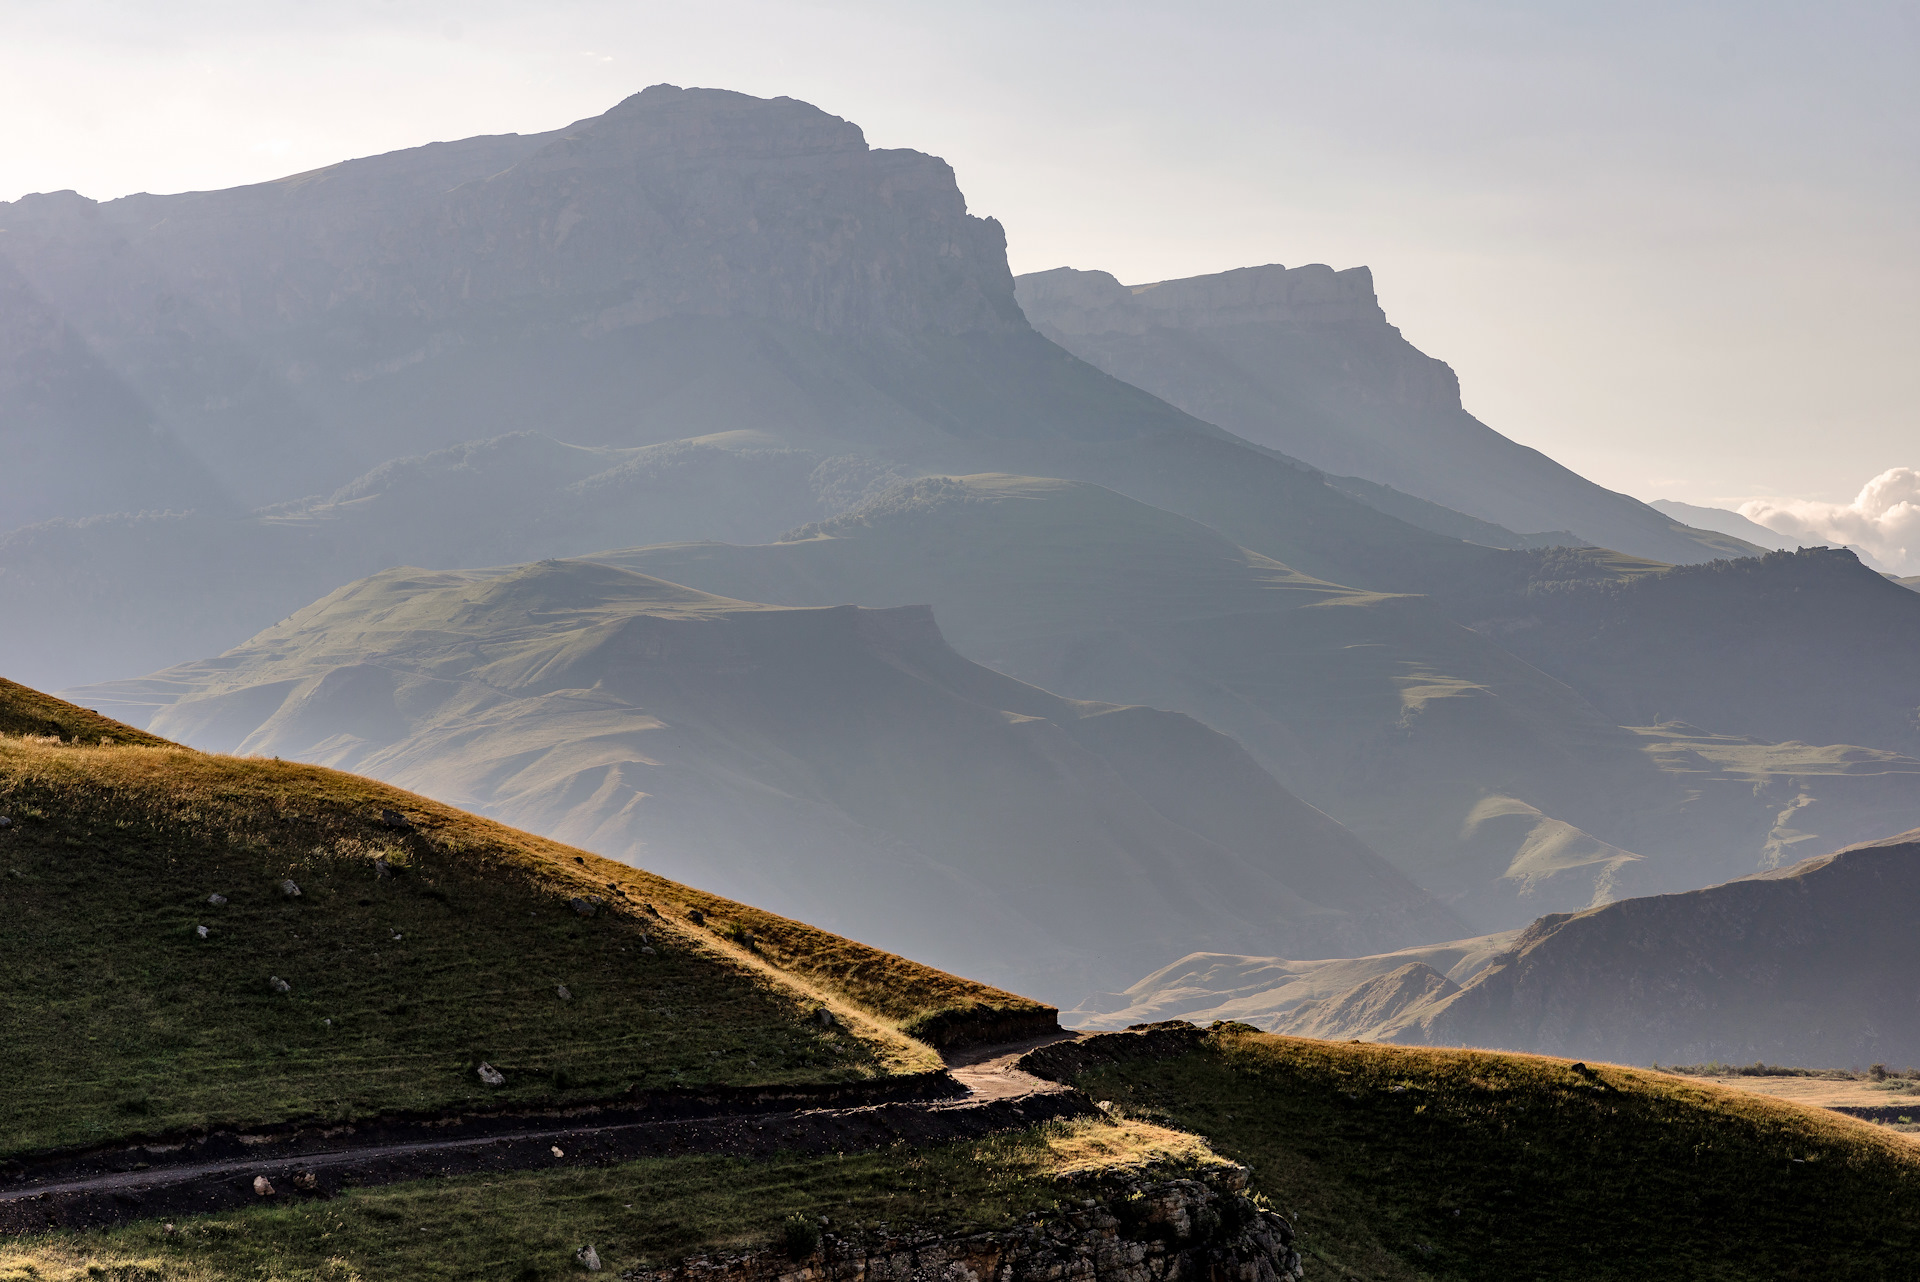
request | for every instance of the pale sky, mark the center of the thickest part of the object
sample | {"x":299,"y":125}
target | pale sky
{"x":1673,"y":245}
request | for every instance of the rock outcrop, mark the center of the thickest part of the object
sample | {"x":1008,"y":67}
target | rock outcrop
{"x":1303,"y":360}
{"x":1130,"y":1230}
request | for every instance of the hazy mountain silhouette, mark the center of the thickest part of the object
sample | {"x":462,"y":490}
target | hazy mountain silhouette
{"x":1501,"y":789}
{"x":1304,"y":361}
{"x":841,"y":762}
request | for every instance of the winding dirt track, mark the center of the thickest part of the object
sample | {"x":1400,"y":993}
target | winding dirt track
{"x":982,"y":1092}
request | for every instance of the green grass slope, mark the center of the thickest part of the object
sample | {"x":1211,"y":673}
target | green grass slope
{"x":1405,"y":1163}
{"x":118,"y":1018}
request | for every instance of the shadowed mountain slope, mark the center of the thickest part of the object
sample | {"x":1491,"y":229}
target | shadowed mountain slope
{"x":842,"y":764}
{"x":1807,"y":645}
{"x":1493,"y":785}
{"x":1810,"y":964}
{"x":1305,"y":362}
{"x":205,"y":941}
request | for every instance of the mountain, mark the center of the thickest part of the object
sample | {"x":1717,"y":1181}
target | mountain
{"x":1808,"y":645}
{"x":1808,"y":964}
{"x":117,"y":594}
{"x":690,"y":266}
{"x":1726,"y":522}
{"x":210,"y":942}
{"x":842,"y":764}
{"x":1487,"y":781}
{"x":1304,"y":361}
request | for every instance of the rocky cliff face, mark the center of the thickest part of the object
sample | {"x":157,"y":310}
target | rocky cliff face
{"x":1129,"y":1230}
{"x":1304,"y":360}
{"x":259,"y":324}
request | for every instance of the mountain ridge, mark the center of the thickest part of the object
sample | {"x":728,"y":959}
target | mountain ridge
{"x":1304,"y":360}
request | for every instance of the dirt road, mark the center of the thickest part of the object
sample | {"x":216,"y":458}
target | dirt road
{"x":982,"y":1093}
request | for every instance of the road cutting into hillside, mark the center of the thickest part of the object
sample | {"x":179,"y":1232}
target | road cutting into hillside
{"x":981,"y":1092}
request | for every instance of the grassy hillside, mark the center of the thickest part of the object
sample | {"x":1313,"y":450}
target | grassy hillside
{"x":118,"y":1018}
{"x":27,"y":712}
{"x":1404,"y":1163}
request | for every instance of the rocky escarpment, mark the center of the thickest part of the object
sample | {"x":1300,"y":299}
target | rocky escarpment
{"x":1304,"y":360}
{"x":687,"y":251}
{"x":1130,"y":1230}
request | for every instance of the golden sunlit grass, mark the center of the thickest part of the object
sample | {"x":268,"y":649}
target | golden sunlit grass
{"x":118,"y":1018}
{"x":1414,"y":1162}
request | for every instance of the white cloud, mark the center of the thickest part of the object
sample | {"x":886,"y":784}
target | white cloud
{"x":1884,"y":518}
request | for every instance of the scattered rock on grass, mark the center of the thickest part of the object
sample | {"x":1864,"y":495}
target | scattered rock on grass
{"x":200,"y":931}
{"x":492,"y":1076}
{"x":381,"y":868}
{"x":5,"y":822}
{"x":826,"y":1018}
{"x":279,"y":985}
{"x":290,"y":890}
{"x":589,"y":1259}
{"x":306,"y":1181}
{"x":585,"y":907}
{"x":697,"y":917}
{"x":216,"y":899}
{"x":263,"y":1186}
{"x":394,"y":819}
{"x":565,"y":993}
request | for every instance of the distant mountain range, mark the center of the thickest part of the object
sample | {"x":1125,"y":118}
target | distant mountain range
{"x":691,"y":265}
{"x":709,"y":366}
{"x":1486,"y":782}
{"x":841,"y":760}
{"x":1304,"y":361}
{"x":1810,"y":964}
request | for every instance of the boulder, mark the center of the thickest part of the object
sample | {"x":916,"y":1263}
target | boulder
{"x":381,"y":868}
{"x":279,"y":985}
{"x":200,"y":931}
{"x":290,"y":890}
{"x":588,"y":1258}
{"x":216,"y":899}
{"x":262,"y":1186}
{"x":491,"y":1075}
{"x":564,"y":992}
{"x":394,"y":819}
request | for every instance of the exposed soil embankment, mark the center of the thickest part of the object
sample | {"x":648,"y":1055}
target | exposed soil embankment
{"x":1131,"y":1230}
